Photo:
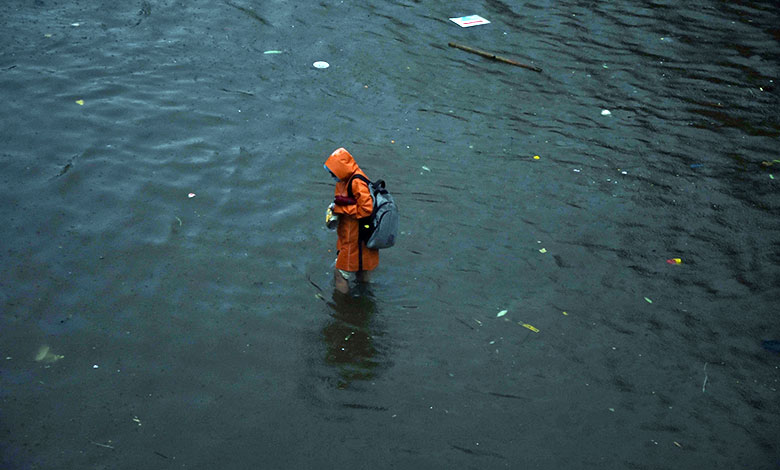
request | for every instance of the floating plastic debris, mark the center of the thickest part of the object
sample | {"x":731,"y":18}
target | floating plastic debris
{"x":107,"y":446}
{"x":543,"y":250}
{"x":605,"y":112}
{"x":42,"y":352}
{"x":191,"y":195}
{"x":45,"y":355}
{"x":80,"y":102}
{"x":501,"y":313}
{"x":272,"y":52}
{"x":321,"y":65}
{"x":648,"y":300}
{"x":537,"y":157}
{"x":530,"y":327}
{"x":468,"y":21}
{"x":674,"y":261}
{"x":426,"y":168}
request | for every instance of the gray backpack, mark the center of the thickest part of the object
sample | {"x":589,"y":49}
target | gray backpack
{"x":380,"y":229}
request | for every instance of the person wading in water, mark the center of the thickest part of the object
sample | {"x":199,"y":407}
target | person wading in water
{"x":355,"y":260}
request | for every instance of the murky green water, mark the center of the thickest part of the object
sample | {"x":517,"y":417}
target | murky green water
{"x":202,"y":332}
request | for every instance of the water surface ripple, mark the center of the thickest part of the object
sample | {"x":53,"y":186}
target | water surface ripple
{"x":162,"y":196}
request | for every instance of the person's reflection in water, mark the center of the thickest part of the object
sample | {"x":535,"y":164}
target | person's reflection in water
{"x":349,"y":338}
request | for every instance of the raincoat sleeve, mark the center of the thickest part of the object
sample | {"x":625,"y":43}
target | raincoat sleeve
{"x":364,"y":206}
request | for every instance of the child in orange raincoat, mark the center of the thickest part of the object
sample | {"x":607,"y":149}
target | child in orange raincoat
{"x":354,"y":260}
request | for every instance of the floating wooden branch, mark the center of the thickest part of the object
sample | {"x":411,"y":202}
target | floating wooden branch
{"x":494,"y":57}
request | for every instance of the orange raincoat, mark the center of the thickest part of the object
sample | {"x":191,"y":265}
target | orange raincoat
{"x":352,"y":254}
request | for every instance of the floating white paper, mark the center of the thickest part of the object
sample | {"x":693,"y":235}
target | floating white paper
{"x":321,"y":65}
{"x":472,"y":20}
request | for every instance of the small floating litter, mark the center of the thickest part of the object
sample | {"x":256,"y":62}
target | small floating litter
{"x":321,"y":65}
{"x":471,"y":20}
{"x":45,"y":355}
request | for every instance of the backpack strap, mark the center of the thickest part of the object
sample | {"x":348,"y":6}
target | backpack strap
{"x":360,"y":177}
{"x":363,"y":235}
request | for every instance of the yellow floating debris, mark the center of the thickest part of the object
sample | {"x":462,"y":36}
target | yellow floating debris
{"x":80,"y":102}
{"x":530,"y":327}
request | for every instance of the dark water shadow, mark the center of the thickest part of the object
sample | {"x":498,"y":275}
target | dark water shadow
{"x":349,"y":337}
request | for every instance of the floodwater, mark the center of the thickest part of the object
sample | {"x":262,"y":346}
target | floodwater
{"x":144,"y":328}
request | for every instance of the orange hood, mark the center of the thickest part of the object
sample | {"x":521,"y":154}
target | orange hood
{"x":341,"y":164}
